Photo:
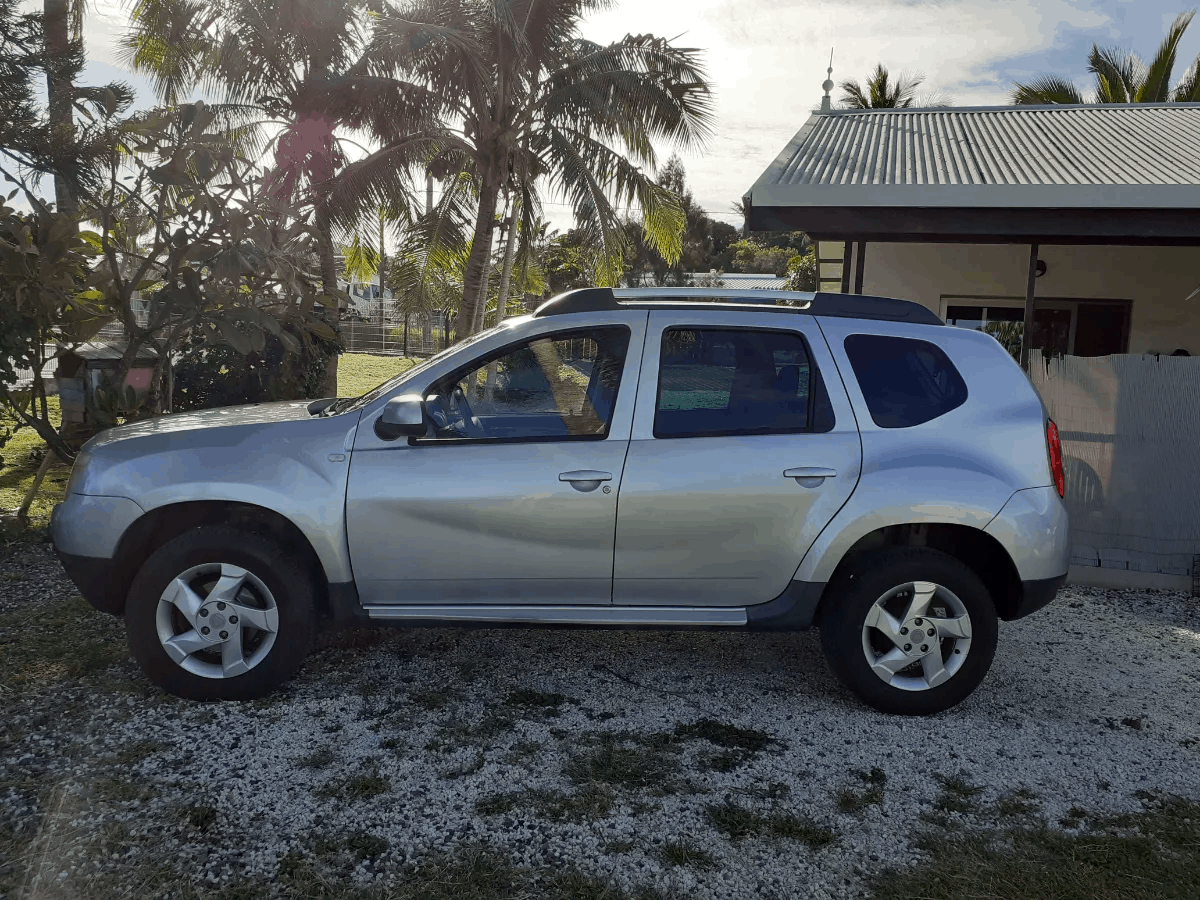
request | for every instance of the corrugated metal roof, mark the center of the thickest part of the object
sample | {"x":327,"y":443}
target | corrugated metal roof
{"x":1152,"y":148}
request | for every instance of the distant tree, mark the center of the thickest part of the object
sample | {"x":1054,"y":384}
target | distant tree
{"x":802,"y":271}
{"x":32,"y":142}
{"x":882,"y":92}
{"x":1121,"y":76}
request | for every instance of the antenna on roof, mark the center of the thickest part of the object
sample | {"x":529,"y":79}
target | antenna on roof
{"x":827,"y":84}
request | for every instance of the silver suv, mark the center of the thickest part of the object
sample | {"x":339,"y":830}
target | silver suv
{"x":673,"y":458}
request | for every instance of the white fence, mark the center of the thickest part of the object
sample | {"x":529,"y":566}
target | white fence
{"x":1130,"y":430}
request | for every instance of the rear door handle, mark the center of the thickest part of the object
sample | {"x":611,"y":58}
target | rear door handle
{"x":585,"y":480}
{"x":809,"y":476}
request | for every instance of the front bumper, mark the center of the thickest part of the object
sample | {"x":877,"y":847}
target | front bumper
{"x":97,"y":579}
{"x":86,"y":531}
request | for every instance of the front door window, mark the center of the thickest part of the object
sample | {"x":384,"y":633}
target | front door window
{"x":558,"y":387}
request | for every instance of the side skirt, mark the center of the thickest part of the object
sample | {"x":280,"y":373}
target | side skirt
{"x":793,"y":610}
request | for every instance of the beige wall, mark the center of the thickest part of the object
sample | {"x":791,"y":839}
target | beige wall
{"x":1156,"y":279}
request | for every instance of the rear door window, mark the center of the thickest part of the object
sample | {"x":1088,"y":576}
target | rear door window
{"x":905,"y":382}
{"x":715,"y":381}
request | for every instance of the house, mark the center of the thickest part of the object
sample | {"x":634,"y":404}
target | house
{"x":1070,"y":233}
{"x":958,"y":208}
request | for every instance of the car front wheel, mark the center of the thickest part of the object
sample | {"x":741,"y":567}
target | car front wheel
{"x":910,"y":631}
{"x":220,"y":613}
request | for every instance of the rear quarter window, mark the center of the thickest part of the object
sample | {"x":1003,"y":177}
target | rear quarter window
{"x":905,"y":382}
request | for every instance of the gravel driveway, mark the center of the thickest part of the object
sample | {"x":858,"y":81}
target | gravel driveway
{"x":707,"y":765}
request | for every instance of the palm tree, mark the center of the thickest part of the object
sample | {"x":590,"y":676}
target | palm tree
{"x":1122,"y":76}
{"x":530,"y":104}
{"x":881,"y":92}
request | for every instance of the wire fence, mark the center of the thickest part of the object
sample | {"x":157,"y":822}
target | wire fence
{"x":1130,"y":431}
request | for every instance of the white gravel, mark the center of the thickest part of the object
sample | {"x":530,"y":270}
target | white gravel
{"x":1089,"y":702}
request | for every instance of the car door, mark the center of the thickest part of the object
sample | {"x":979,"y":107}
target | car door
{"x":744,"y":446}
{"x":511,"y":496}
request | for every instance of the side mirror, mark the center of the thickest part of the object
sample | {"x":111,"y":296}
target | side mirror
{"x":402,"y":416}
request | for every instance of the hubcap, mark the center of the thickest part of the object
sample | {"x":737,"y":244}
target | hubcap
{"x":916,"y":636}
{"x":217,"y":620}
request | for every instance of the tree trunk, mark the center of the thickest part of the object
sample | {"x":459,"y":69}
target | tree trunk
{"x":57,"y":24}
{"x":475,"y":278}
{"x":510,"y":254}
{"x":329,"y":387}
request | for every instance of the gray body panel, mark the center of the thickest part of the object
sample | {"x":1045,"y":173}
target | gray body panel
{"x":273,"y":455}
{"x":712,"y":521}
{"x":961,"y":468}
{"x":90,"y":525}
{"x":488,"y":522}
{"x":1033,"y":527}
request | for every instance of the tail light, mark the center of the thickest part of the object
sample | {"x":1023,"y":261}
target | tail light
{"x":1056,"y":465}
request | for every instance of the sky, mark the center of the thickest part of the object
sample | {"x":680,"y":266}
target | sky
{"x":767,"y":59}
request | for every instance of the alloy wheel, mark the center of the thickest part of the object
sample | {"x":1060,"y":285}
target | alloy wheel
{"x":916,"y":636}
{"x":217,"y":620}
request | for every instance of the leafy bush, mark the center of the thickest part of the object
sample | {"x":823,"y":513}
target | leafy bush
{"x":210,"y":375}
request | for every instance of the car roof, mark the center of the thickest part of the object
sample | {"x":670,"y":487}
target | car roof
{"x":819,"y":303}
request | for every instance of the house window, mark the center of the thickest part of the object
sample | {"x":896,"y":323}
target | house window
{"x":1060,"y":327}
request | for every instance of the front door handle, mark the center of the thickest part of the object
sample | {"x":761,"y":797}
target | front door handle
{"x":585,"y":480}
{"x":809,"y":476}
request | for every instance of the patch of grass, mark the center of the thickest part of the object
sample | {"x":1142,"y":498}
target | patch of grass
{"x":522,"y":752}
{"x":851,"y":800}
{"x":360,"y":372}
{"x":588,"y":804}
{"x":318,"y":759}
{"x":362,"y":786}
{"x":539,"y":703}
{"x":137,"y":751}
{"x":1020,"y":802}
{"x":201,"y":817}
{"x":432,"y":700}
{"x":120,"y":790}
{"x":59,"y":641}
{"x":957,"y":796}
{"x":451,"y":737}
{"x":738,"y":822}
{"x":19,"y":462}
{"x":636,"y":768}
{"x":363,"y":845}
{"x":1150,"y":855}
{"x":773,"y":790}
{"x":683,"y":852}
{"x":724,"y":735}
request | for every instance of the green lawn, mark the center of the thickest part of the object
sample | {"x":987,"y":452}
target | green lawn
{"x":357,"y":373}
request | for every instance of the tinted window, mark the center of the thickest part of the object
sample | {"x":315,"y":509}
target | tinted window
{"x":560,"y":386}
{"x":905,"y":382}
{"x":725,"y":381}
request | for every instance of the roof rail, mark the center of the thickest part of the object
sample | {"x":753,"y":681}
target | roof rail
{"x":852,"y":306}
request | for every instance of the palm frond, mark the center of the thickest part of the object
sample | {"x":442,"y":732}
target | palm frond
{"x":1155,"y":86}
{"x":1046,"y":90}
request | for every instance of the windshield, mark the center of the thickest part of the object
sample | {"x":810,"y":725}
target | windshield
{"x":377,"y":392}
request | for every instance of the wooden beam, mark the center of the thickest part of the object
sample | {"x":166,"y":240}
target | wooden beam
{"x":1027,"y":332}
{"x":846,"y":267}
{"x":860,"y":255}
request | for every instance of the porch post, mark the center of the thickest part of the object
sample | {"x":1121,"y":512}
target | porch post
{"x":846,"y":267}
{"x":859,"y":256}
{"x":1027,"y":332}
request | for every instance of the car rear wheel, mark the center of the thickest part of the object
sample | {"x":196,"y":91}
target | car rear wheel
{"x":910,"y":631}
{"x":220,"y":613}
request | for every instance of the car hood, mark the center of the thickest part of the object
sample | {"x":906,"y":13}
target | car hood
{"x":224,"y":417}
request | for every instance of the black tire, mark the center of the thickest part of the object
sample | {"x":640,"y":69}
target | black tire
{"x":867,"y":579}
{"x":286,"y":577}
